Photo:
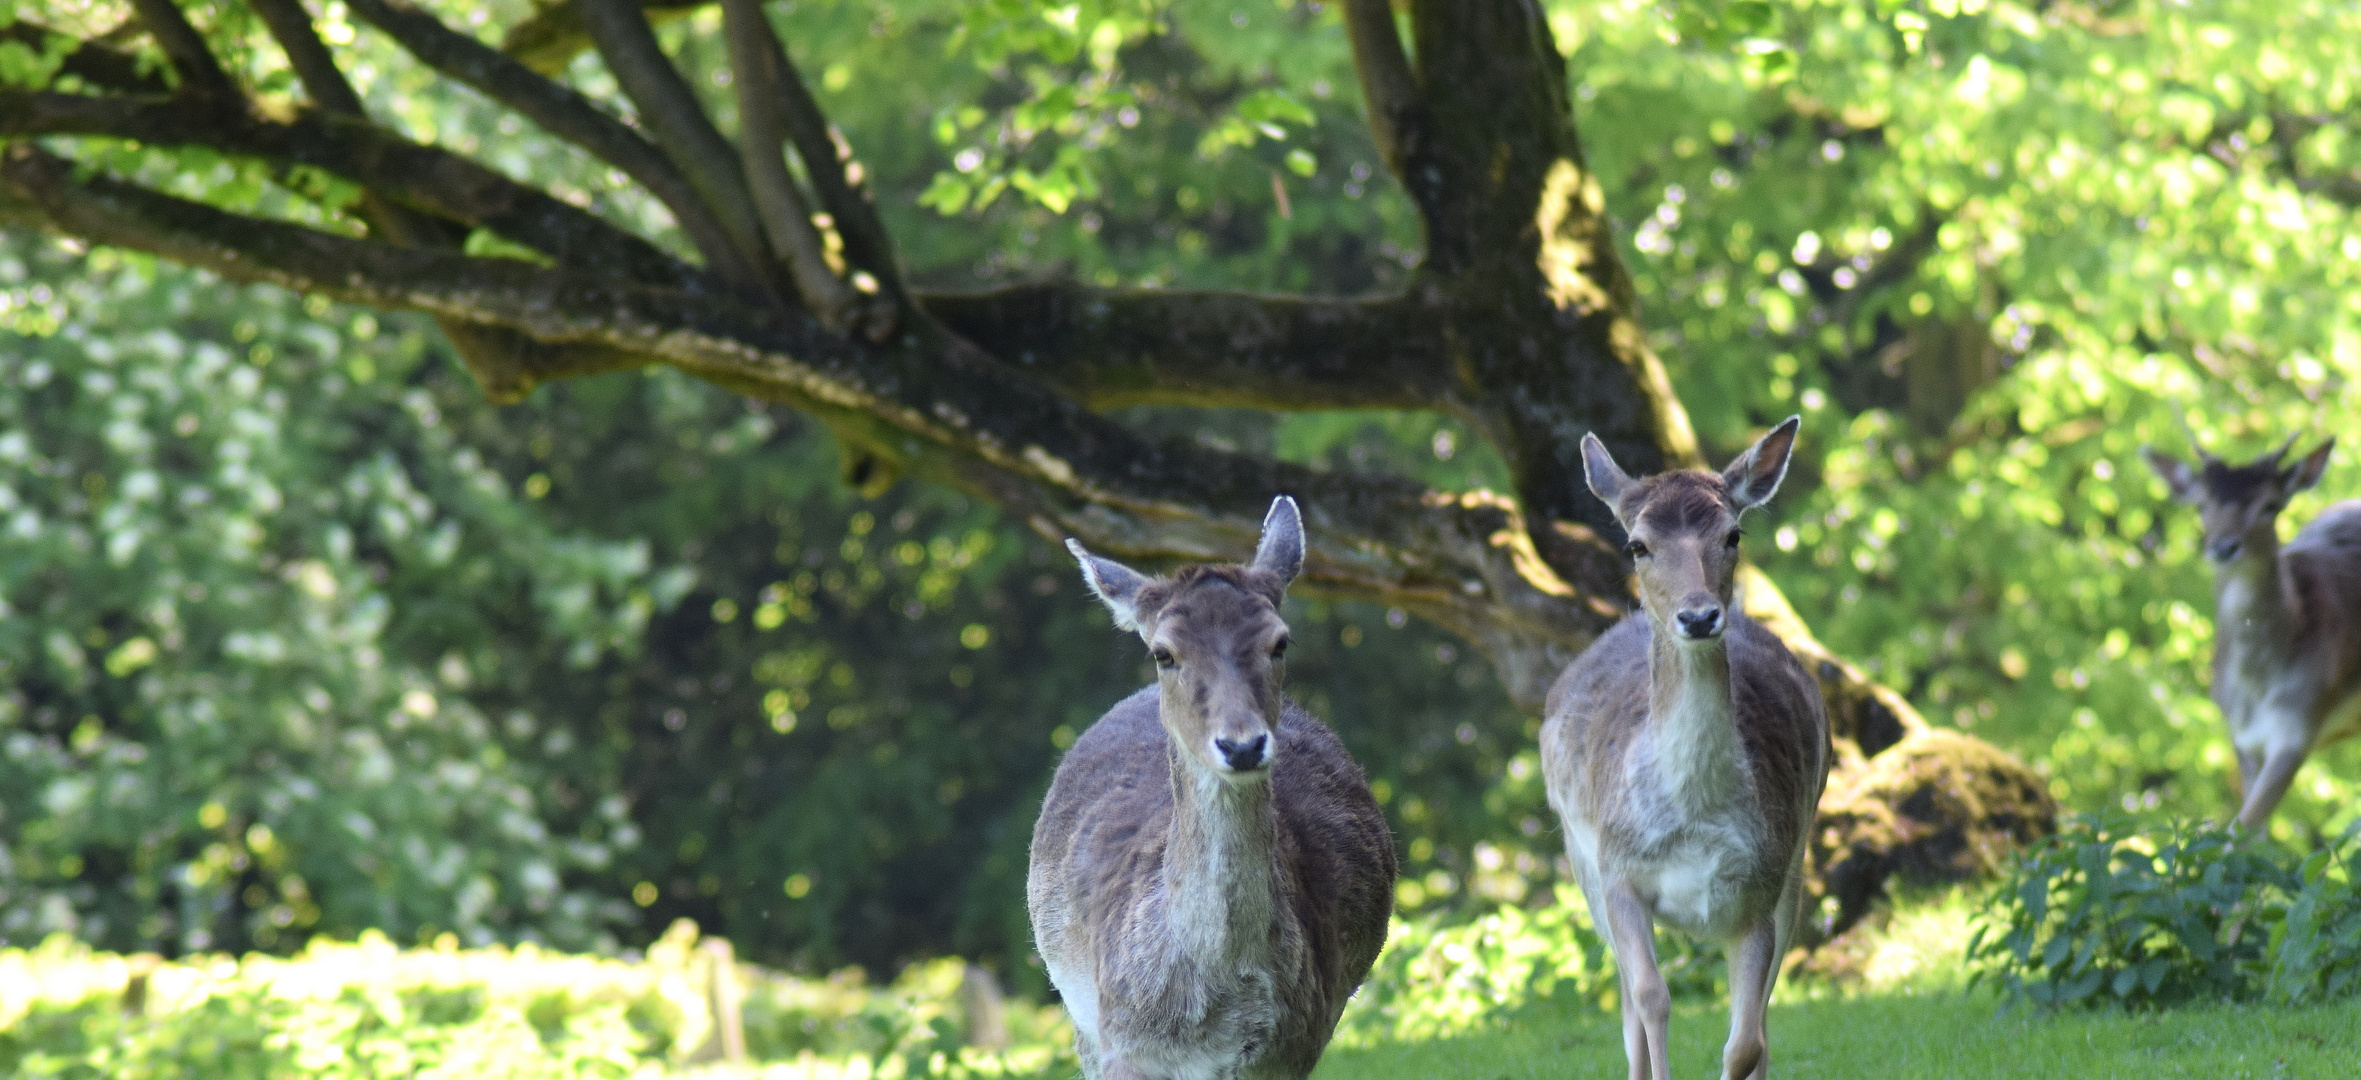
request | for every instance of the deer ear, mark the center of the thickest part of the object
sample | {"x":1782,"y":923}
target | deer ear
{"x":1116,"y":585}
{"x":2176,"y":473}
{"x":1281,"y":550}
{"x":1607,"y":480}
{"x":1754,"y":477}
{"x":2306,"y":472}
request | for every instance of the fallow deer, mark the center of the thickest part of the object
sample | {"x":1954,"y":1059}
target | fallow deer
{"x":2287,"y":619}
{"x":1685,"y":751}
{"x":1210,"y":876}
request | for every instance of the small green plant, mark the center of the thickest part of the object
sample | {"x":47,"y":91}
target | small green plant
{"x":2107,"y":913}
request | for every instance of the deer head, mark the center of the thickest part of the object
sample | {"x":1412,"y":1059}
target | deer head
{"x":1218,"y":642}
{"x":1683,"y":528}
{"x":2235,"y":502}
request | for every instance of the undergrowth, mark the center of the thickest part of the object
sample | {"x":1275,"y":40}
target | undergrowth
{"x":2108,"y":913}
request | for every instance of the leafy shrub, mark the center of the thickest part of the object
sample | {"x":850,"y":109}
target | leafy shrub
{"x":2105,"y":913}
{"x":366,"y":1009}
{"x":1441,"y":977}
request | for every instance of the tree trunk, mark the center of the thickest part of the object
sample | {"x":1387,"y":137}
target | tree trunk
{"x":1520,"y":321}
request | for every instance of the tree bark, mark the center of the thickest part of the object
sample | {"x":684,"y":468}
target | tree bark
{"x":1521,"y":321}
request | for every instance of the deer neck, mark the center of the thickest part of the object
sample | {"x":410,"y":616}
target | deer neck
{"x":1692,"y":714}
{"x":1218,"y":867}
{"x":2251,"y":608}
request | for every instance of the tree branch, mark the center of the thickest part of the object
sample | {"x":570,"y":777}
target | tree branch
{"x":433,"y":180}
{"x":668,"y":109}
{"x":95,"y":63}
{"x":200,"y":73}
{"x":504,"y":361}
{"x":1110,"y":349}
{"x":562,"y":113}
{"x":553,"y":36}
{"x":755,"y":61}
{"x":291,"y":26}
{"x":837,"y":179}
{"x":948,"y":412}
{"x":1389,"y":90}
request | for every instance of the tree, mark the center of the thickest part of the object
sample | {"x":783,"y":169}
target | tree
{"x":780,"y":280}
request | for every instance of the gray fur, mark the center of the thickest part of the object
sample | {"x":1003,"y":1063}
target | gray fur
{"x":1203,"y":921}
{"x":1687,"y":770}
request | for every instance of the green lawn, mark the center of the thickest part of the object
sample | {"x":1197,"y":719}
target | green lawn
{"x":1898,"y":1037}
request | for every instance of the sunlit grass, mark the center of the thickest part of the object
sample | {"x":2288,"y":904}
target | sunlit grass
{"x":1890,"y":1001}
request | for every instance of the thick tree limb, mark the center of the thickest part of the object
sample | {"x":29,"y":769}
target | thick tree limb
{"x":429,"y":179}
{"x":562,"y":113}
{"x":947,"y":410}
{"x":757,"y":64}
{"x":503,"y":360}
{"x":200,"y":72}
{"x":1111,"y":349}
{"x":1397,"y":111}
{"x":669,"y":111}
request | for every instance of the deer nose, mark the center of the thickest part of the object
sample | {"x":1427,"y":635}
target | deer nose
{"x":2224,"y":550}
{"x":1242,"y":755}
{"x":1698,"y":624}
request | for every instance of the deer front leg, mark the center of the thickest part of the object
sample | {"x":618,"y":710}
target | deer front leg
{"x":1754,"y":965}
{"x":2270,"y":785}
{"x":1647,"y":1003}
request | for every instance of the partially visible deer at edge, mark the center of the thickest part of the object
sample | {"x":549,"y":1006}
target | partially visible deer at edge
{"x":2287,"y":620}
{"x":1210,"y":876}
{"x":1686,"y":750}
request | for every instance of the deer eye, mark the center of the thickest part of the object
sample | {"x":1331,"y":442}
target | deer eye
{"x":1734,"y":536}
{"x":1636,"y":550}
{"x":1279,"y":649}
{"x":1163,"y":656}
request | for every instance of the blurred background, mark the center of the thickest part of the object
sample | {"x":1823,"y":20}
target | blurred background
{"x":303,"y":638}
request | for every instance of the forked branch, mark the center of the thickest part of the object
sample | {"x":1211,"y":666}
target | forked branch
{"x":563,"y":113}
{"x":757,"y":69}
{"x":200,"y":72}
{"x":669,"y":111}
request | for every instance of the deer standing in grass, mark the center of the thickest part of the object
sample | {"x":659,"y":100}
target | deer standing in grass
{"x":2287,"y":620}
{"x":1210,"y":876}
{"x":1685,"y":751}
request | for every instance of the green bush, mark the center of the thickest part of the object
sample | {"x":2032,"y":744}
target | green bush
{"x":2106,"y":913}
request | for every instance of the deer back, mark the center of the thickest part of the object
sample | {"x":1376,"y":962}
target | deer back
{"x":1100,"y":847}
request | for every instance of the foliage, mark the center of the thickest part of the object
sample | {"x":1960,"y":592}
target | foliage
{"x":2104,"y":913}
{"x":366,"y":1009}
{"x":278,"y":648}
{"x":1988,"y":249}
{"x":1443,"y":976}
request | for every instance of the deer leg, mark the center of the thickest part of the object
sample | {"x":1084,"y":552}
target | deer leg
{"x":1754,"y":966}
{"x":2269,"y":786}
{"x":1647,"y":1003}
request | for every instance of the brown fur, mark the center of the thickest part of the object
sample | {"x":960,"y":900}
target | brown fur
{"x":1686,"y":751}
{"x":1220,"y":922}
{"x":2287,"y":620}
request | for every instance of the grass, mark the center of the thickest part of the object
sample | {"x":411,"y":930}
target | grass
{"x":1890,"y":1002}
{"x":1901,"y":1037}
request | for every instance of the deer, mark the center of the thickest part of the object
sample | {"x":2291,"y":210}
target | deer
{"x":1210,"y":877}
{"x":1685,"y":752}
{"x":2287,"y":618}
